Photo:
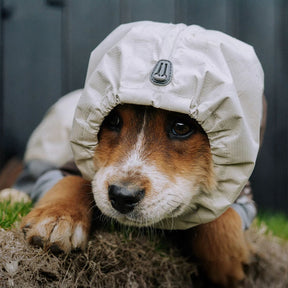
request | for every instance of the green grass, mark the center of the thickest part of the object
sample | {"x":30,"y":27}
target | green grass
{"x":276,"y":222}
{"x":11,"y":214}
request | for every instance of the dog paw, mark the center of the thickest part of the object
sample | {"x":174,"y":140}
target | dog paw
{"x":225,"y":272}
{"x":222,"y":250}
{"x":56,"y":228}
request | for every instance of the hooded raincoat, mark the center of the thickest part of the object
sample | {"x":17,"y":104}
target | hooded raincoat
{"x":214,"y":78}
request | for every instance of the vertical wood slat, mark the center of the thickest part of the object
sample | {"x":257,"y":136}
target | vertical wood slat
{"x":32,"y":69}
{"x":1,"y":88}
{"x":280,"y":120}
{"x":84,"y":27}
{"x":153,"y":10}
{"x":282,"y":93}
{"x":206,"y":13}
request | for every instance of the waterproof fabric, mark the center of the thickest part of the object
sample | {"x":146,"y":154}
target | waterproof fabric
{"x":49,"y":142}
{"x":216,"y":79}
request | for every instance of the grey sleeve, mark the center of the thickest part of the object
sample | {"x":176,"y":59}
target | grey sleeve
{"x":245,"y":206}
{"x":247,"y":212}
{"x":37,"y":178}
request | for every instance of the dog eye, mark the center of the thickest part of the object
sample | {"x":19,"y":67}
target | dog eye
{"x":181,"y":130}
{"x":113,"y":121}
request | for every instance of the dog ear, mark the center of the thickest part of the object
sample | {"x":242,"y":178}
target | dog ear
{"x":263,"y":120}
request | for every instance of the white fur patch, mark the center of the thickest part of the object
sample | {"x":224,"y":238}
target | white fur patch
{"x":43,"y":227}
{"x":135,"y":158}
{"x":79,"y":237}
{"x":61,"y":235}
{"x":165,"y":200}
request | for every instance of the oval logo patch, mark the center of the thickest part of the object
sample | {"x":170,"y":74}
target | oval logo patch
{"x":162,"y":73}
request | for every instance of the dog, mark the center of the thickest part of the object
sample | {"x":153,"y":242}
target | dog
{"x":152,"y":165}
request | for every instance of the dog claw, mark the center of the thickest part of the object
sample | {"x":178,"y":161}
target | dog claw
{"x":55,"y":234}
{"x":54,"y":249}
{"x":37,"y":241}
{"x":25,"y":229}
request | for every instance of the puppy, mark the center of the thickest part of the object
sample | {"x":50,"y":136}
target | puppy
{"x":165,"y":134}
{"x":150,"y":163}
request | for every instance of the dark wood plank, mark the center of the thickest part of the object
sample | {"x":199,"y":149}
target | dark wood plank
{"x":1,"y":87}
{"x":32,"y":68}
{"x":153,"y":10}
{"x":84,"y":27}
{"x":206,"y":13}
{"x":10,"y":172}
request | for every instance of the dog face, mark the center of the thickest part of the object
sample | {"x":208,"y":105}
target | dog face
{"x":150,"y":165}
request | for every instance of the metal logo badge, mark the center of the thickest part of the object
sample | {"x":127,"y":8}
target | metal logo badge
{"x":162,"y":73}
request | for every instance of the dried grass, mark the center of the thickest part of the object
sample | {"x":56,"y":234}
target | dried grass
{"x":111,"y":260}
{"x":114,"y":260}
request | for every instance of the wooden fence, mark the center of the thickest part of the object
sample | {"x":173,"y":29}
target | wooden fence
{"x":45,"y":46}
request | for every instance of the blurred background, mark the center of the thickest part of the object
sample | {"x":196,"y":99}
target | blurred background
{"x":45,"y":47}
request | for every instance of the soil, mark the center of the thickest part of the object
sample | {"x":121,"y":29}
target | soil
{"x":116,"y":259}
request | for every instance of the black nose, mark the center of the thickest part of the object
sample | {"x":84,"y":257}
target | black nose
{"x":124,"y":199}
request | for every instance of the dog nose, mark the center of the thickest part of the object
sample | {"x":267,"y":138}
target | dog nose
{"x":124,"y":199}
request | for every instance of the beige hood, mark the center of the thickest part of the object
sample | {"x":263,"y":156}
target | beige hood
{"x":214,"y":78}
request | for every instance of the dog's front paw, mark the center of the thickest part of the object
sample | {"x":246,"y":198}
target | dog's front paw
{"x":226,"y":271}
{"x":56,"y":228}
{"x":222,"y":250}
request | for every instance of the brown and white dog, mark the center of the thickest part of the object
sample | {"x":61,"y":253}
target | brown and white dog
{"x":150,"y":166}
{"x":149,"y":163}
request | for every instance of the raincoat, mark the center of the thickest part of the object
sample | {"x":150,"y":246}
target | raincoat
{"x":214,"y":78}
